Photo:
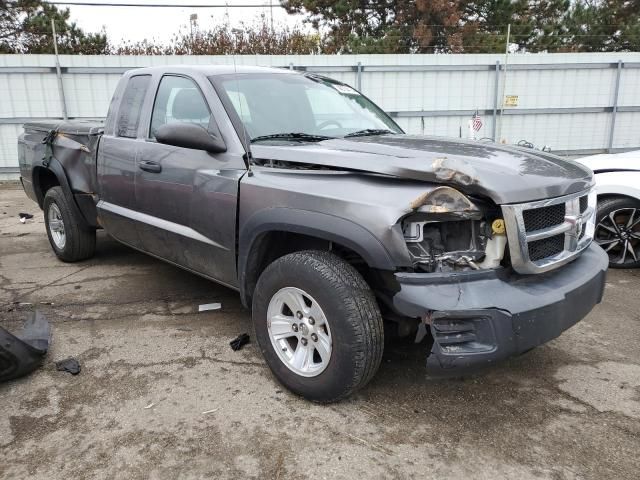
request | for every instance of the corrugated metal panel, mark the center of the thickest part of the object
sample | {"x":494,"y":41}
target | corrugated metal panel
{"x":398,"y":83}
{"x":627,"y":133}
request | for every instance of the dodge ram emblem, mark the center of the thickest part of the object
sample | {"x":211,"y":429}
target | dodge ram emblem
{"x":577,"y":224}
{"x":579,"y":227}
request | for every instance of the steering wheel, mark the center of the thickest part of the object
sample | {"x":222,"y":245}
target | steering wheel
{"x":325,"y":124}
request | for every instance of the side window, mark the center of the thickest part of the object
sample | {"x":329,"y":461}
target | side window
{"x":131,"y":106}
{"x":178,"y":100}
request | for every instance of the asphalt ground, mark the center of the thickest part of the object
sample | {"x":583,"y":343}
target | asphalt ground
{"x":161,"y":394}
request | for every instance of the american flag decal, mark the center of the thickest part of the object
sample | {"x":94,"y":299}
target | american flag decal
{"x":477,"y":123}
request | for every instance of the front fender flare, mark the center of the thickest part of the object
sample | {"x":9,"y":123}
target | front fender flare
{"x":315,"y":224}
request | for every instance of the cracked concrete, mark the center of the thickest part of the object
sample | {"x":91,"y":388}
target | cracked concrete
{"x":161,"y":394}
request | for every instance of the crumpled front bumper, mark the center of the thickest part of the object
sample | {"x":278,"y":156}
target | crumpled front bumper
{"x":480,"y":317}
{"x":21,"y":354}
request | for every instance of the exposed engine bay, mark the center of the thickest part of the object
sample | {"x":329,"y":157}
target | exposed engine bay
{"x":448,"y":233}
{"x":446,"y":246}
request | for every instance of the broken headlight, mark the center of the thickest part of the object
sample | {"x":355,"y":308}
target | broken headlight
{"x":448,"y":232}
{"x":445,"y":246}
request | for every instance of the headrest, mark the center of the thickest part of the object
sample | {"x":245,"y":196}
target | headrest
{"x":189,"y":105}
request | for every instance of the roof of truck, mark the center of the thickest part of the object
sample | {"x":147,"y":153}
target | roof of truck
{"x":208,"y":70}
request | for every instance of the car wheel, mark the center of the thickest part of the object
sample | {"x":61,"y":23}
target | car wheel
{"x":618,"y":231}
{"x":318,"y":325}
{"x":70,"y":239}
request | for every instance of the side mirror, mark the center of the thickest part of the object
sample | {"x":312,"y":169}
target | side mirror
{"x":189,"y":135}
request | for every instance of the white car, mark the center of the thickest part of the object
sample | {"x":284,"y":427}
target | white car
{"x":618,"y":220}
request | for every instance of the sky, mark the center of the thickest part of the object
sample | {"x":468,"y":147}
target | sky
{"x":135,"y":23}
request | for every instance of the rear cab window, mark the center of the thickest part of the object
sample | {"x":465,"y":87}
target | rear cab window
{"x":130,"y":109}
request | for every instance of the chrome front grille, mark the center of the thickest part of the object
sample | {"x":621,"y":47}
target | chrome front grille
{"x":545,"y":234}
{"x":539,"y":218}
{"x":546,"y":247}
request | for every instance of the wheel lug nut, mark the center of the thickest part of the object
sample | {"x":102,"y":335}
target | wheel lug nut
{"x":303,"y":341}
{"x":314,"y":337}
{"x":311,"y":321}
{"x":299,"y":315}
{"x":294,"y":327}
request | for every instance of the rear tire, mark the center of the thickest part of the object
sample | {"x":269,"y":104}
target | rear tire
{"x":70,"y":239}
{"x":618,"y":231}
{"x":333,"y":291}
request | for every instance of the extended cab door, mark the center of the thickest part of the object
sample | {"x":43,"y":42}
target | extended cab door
{"x":116,"y":161}
{"x":187,"y":198}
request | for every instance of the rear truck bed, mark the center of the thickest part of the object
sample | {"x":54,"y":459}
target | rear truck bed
{"x":484,"y":316}
{"x":63,"y":153}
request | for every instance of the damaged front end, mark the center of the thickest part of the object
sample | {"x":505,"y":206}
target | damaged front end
{"x":447,"y":232}
{"x":22,"y":353}
{"x":464,"y":294}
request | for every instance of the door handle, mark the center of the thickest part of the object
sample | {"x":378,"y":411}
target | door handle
{"x":153,"y":167}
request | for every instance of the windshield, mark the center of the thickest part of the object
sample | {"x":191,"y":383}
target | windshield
{"x":313,"y":108}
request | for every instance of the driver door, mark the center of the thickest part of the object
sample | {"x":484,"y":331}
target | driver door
{"x":187,"y":197}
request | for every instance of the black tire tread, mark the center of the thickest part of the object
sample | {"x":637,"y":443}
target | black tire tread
{"x":363,"y":305}
{"x":81,"y":240}
{"x":363,"y":314}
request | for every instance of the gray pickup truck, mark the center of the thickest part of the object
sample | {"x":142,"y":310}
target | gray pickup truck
{"x":337,"y":229}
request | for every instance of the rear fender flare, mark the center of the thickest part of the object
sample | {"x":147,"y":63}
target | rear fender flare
{"x":57,"y":169}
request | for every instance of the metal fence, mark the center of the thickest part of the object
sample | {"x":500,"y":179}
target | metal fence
{"x":577,"y":104}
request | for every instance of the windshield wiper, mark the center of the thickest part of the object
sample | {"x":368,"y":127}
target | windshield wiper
{"x":369,"y":131}
{"x":305,"y":137}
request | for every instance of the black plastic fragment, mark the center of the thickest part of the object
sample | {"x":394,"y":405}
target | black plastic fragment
{"x":70,"y":365}
{"x":25,"y":215}
{"x":23,"y":353}
{"x":238,"y":342}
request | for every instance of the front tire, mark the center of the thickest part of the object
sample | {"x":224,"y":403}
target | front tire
{"x":70,"y":239}
{"x":318,"y":325}
{"x":618,"y":231}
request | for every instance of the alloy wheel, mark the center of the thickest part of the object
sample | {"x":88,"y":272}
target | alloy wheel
{"x":619,"y":235}
{"x":56,"y":226}
{"x":299,"y":331}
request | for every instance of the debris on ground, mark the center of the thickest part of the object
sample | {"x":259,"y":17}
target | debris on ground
{"x":149,"y":406}
{"x":24,"y":217}
{"x":23,"y":353}
{"x":238,"y":342}
{"x":70,"y":365}
{"x":209,"y":306}
{"x":211,"y":411}
{"x":14,"y":305}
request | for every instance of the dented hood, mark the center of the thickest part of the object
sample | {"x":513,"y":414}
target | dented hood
{"x":504,"y":174}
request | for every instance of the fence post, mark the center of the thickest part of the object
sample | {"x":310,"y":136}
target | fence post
{"x":63,"y":101}
{"x":504,"y":80}
{"x":614,"y":110}
{"x":495,"y":100}
{"x":359,"y":77}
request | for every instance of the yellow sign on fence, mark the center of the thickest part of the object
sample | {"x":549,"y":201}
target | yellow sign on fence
{"x":511,"y":100}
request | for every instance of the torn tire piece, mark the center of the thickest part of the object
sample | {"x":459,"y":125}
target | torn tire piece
{"x":70,"y":365}
{"x":23,"y":353}
{"x":238,"y":342}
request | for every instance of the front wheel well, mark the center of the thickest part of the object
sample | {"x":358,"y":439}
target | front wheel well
{"x":271,"y":245}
